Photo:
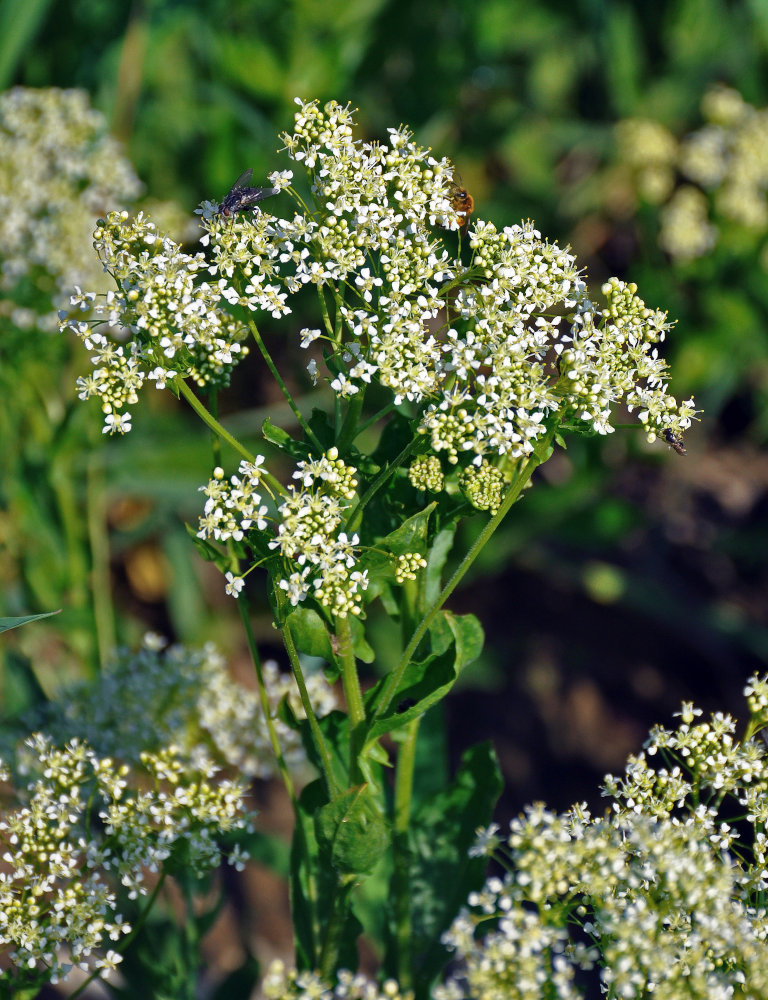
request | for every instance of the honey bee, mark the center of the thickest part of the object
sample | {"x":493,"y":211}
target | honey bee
{"x":462,"y":202}
{"x":241,"y":195}
{"x":674,"y":441}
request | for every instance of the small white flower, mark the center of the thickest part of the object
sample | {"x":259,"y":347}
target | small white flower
{"x":308,"y":336}
{"x":117,"y":423}
{"x":234,"y":584}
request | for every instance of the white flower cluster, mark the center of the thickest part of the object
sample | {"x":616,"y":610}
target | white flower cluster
{"x":160,"y":697}
{"x":287,"y":984}
{"x":308,"y":537}
{"x":724,"y":164}
{"x":57,"y":901}
{"x":175,"y":323}
{"x":668,"y":889}
{"x":59,"y":170}
{"x":318,"y":558}
{"x":489,"y":351}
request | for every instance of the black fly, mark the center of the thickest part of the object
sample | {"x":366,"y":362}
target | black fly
{"x":242,"y":195}
{"x":674,"y":440}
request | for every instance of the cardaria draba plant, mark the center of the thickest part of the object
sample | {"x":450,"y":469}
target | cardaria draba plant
{"x":664,"y":895}
{"x":486,"y":349}
{"x":457,"y":355}
{"x":59,"y":889}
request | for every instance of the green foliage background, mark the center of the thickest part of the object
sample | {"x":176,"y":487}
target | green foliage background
{"x":629,"y":577}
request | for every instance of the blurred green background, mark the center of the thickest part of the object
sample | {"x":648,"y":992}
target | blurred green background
{"x":629,"y":578}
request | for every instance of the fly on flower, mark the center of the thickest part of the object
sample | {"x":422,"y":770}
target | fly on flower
{"x":674,"y":440}
{"x":241,"y":195}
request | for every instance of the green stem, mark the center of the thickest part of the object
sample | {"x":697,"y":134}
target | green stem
{"x":223,"y":433}
{"x":335,"y":926}
{"x":376,"y":417}
{"x":285,"y":774}
{"x":299,"y":831}
{"x":213,"y":409}
{"x":354,"y":697}
{"x":190,"y":938}
{"x":401,"y":876}
{"x":320,"y":744}
{"x":98,"y":538}
{"x":326,"y":316}
{"x":284,"y":388}
{"x":209,"y":419}
{"x":71,"y":521}
{"x":515,"y":488}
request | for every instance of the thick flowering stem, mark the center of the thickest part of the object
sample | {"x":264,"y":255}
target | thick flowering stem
{"x":354,"y":697}
{"x":331,"y":785}
{"x":283,"y":387}
{"x":513,"y":492}
{"x":275,"y":485}
{"x":401,"y":877}
{"x":335,"y":927}
{"x":98,"y":539}
{"x":274,"y":742}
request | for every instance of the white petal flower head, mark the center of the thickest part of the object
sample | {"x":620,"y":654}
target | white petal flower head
{"x":309,"y":336}
{"x":117,"y":423}
{"x":234,"y":585}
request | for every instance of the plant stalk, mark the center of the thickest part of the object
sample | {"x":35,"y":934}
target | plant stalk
{"x":401,"y":848}
{"x":284,"y":388}
{"x":331,"y":785}
{"x":354,"y":697}
{"x":515,"y":488}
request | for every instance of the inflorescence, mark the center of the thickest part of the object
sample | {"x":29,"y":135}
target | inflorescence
{"x":488,"y":356}
{"x":58,"y":892}
{"x":59,"y":170}
{"x":717,"y":172}
{"x":489,"y":350}
{"x":163,"y":696}
{"x":662,"y":896}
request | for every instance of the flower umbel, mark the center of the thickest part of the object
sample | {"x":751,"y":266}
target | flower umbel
{"x":490,"y":351}
{"x":59,"y":890}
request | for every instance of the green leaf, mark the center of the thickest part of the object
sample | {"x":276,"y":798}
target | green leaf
{"x":313,"y":885}
{"x":208,"y":551}
{"x":335,"y":730}
{"x":321,"y":428}
{"x":398,"y":432}
{"x":411,"y":535}
{"x":351,"y":831}
{"x":277,"y":436}
{"x":442,"y":873}
{"x":436,"y":559}
{"x":432,"y":771}
{"x":310,"y":633}
{"x":9,"y":623}
{"x":455,"y":640}
{"x":468,"y":635}
{"x":360,"y":645}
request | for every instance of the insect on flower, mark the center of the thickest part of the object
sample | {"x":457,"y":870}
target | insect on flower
{"x":462,"y":203}
{"x":674,"y":440}
{"x":241,"y":195}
